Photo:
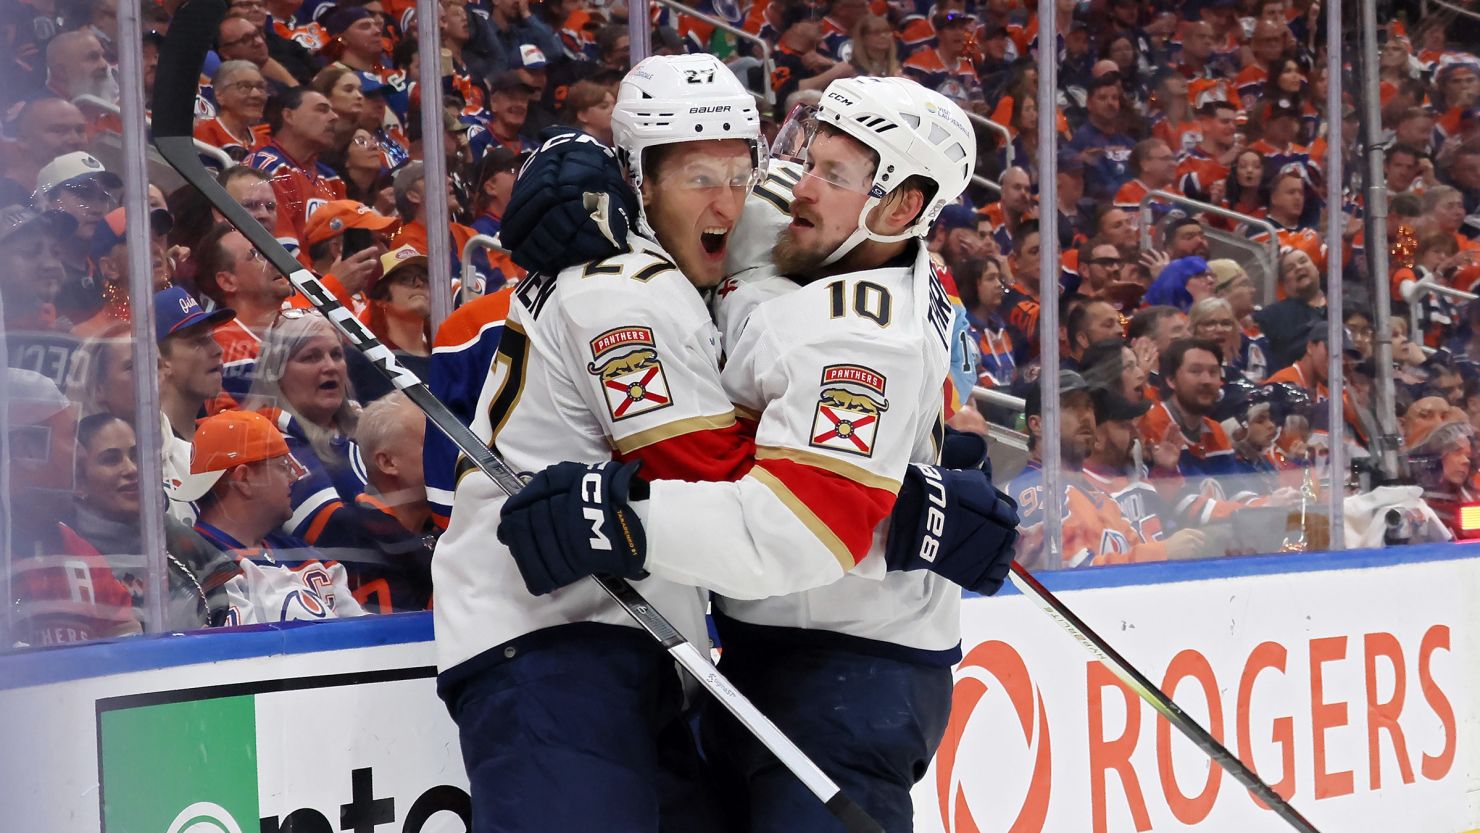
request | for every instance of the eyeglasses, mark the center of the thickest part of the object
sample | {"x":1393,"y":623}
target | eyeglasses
{"x":245,"y":87}
{"x":367,"y":141}
{"x":247,"y":38}
{"x":90,"y":191}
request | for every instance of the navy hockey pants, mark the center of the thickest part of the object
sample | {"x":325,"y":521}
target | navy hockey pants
{"x":871,"y":723}
{"x":580,"y":729}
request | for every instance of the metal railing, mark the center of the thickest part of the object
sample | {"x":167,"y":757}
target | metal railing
{"x":996,"y":128}
{"x":1429,"y":286}
{"x":998,"y":398}
{"x":472,"y":285}
{"x":978,"y":179}
{"x":216,"y":154}
{"x":1271,"y":272}
{"x":765,"y":48}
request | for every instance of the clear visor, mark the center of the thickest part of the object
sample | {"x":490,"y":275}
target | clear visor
{"x":706,"y":173}
{"x":841,"y":170}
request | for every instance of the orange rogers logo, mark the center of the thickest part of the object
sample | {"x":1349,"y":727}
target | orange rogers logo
{"x":985,"y":663}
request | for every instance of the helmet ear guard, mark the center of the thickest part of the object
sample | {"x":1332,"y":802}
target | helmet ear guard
{"x":915,"y":132}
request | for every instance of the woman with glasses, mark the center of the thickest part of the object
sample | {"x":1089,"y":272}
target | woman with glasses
{"x":366,"y":178}
{"x":1213,"y":319}
{"x":302,"y":384}
{"x":241,"y":98}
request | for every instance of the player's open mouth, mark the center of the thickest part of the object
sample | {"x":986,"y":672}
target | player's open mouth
{"x":801,"y":222}
{"x":713,"y":239}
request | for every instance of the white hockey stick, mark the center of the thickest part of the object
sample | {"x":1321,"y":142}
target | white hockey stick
{"x":192,"y":31}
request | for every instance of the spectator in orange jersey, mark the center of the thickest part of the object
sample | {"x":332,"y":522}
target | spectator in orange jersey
{"x":1192,"y":373}
{"x":1202,"y":172}
{"x":798,"y":64}
{"x":1112,"y":470}
{"x":110,"y":258}
{"x":1153,"y":167}
{"x":234,"y":275}
{"x":1310,"y":371}
{"x":1007,"y":214}
{"x":946,"y":69}
{"x":241,"y":99}
{"x":1095,"y":531}
{"x":304,"y":125}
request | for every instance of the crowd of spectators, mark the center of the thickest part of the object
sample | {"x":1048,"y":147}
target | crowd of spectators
{"x":1193,"y":370}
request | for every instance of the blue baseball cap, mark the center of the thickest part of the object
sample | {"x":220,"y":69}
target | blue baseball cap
{"x":370,"y":83}
{"x":175,"y":310}
{"x":957,"y":216}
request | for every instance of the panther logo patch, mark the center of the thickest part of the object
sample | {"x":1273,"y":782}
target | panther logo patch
{"x":626,"y":361}
{"x":849,"y":409}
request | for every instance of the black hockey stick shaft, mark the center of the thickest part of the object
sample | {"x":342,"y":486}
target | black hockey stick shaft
{"x":1128,"y":674}
{"x":192,"y":31}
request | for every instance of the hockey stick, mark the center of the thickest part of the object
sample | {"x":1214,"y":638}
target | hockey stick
{"x":1111,"y":659}
{"x":191,"y":33}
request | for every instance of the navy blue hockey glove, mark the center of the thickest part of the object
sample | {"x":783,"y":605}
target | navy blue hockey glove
{"x":954,"y":523}
{"x":570,"y":204}
{"x":964,"y":450}
{"x":572,"y":520}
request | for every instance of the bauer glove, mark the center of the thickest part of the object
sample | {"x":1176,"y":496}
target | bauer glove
{"x":572,"y":520}
{"x":954,"y":523}
{"x":570,"y":204}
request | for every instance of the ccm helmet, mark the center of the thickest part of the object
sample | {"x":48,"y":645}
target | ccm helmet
{"x":667,"y":99}
{"x":915,"y":132}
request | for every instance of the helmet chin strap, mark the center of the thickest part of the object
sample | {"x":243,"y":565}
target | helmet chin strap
{"x":863,"y":232}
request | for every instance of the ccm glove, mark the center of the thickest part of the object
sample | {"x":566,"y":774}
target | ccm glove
{"x":571,"y":204}
{"x":572,"y":520}
{"x":954,"y":523}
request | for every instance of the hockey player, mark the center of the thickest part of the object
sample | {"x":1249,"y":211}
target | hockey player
{"x":621,"y":354}
{"x":865,"y":289}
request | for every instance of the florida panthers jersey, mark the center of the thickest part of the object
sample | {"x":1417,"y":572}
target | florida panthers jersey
{"x":846,"y":376}
{"x":616,"y":357}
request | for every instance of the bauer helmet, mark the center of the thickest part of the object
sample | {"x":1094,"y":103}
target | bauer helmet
{"x":667,"y":99}
{"x":915,"y":132}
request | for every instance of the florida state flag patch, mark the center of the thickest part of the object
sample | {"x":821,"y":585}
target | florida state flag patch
{"x":625,"y":359}
{"x":849,"y":409}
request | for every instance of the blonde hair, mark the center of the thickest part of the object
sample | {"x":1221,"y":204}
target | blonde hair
{"x":285,"y":340}
{"x":88,"y":367}
{"x":1206,"y":308}
{"x":886,"y":67}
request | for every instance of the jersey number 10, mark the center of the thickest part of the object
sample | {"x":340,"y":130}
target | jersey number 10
{"x":870,"y":301}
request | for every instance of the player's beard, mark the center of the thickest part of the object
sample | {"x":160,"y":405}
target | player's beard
{"x":792,"y":258}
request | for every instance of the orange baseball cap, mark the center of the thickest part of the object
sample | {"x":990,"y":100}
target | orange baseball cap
{"x":339,"y":216}
{"x":223,"y":441}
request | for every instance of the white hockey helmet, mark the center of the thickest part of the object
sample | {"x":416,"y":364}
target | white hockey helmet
{"x":667,"y":99}
{"x":915,"y":132}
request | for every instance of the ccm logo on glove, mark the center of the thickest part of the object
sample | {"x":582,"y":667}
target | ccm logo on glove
{"x":591,"y":496}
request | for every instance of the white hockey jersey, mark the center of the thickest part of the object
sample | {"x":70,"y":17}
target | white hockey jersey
{"x":310,"y":591}
{"x":614,"y":358}
{"x":760,"y":315}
